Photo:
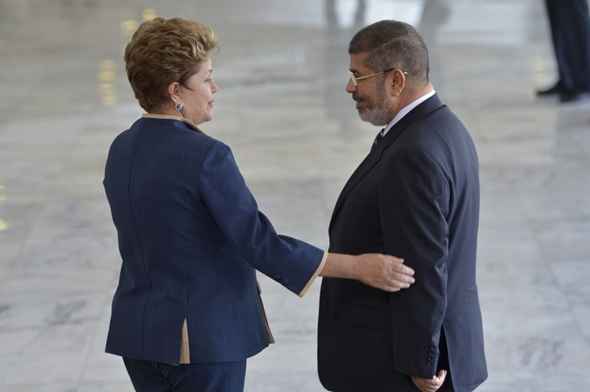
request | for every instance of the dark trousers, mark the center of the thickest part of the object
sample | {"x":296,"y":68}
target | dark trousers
{"x":570,"y":32}
{"x":407,"y":386}
{"x":148,"y":376}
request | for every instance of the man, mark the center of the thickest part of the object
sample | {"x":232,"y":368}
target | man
{"x":570,"y":33}
{"x":415,"y":195}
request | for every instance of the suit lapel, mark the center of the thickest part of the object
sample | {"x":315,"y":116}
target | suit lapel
{"x":351,"y":181}
{"x":421,"y":111}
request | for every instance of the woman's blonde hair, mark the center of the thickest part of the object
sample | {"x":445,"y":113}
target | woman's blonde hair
{"x":163,"y":51}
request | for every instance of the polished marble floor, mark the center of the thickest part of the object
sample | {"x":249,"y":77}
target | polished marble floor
{"x":282,"y":107}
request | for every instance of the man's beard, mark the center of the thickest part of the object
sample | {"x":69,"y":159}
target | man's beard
{"x":376,"y":113}
{"x":376,"y":116}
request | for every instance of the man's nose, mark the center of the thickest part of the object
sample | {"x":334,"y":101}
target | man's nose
{"x":350,"y":87}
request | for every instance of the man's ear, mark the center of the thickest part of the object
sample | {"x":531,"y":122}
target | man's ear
{"x":398,"y":82}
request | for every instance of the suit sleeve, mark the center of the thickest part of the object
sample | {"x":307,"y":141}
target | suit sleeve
{"x":413,"y":198}
{"x":291,"y":262}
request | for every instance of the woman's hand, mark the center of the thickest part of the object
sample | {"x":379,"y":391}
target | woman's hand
{"x":383,"y":272}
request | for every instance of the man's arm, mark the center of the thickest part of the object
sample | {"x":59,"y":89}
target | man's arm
{"x":414,"y":197}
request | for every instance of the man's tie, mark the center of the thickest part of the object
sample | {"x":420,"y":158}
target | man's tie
{"x":378,"y":138}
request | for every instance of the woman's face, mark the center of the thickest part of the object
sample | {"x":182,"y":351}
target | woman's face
{"x":197,"y":94}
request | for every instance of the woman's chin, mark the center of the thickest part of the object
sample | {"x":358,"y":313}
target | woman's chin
{"x":201,"y":119}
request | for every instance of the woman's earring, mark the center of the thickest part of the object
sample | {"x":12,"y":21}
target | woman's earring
{"x":180,"y":108}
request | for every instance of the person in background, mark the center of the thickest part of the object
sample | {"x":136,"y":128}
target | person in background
{"x":569,"y":21}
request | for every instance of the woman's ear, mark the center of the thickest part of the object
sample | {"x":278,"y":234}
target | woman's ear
{"x":173,"y":93}
{"x":173,"y":89}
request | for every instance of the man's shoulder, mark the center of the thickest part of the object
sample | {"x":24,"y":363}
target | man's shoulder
{"x":432,"y":139}
{"x":443,"y":117}
{"x":441,"y":128}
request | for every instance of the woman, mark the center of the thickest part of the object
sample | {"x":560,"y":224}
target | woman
{"x":187,"y":313}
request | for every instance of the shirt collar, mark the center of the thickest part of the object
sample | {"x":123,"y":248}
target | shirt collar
{"x":405,"y":110}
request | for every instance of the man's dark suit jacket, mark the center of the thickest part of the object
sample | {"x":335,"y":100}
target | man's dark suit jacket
{"x":190,"y":237}
{"x":415,"y":196}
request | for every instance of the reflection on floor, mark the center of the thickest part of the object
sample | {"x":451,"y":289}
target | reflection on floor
{"x":283,"y":109}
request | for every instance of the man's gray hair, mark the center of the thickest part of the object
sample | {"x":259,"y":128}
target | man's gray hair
{"x":393,"y":44}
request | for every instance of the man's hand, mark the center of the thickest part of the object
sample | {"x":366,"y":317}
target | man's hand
{"x":430,"y":384}
{"x":383,"y":272}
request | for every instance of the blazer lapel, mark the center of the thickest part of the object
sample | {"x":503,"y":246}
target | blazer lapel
{"x":421,"y":111}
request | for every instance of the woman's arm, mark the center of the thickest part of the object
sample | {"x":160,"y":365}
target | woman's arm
{"x":289,"y":261}
{"x":383,"y":272}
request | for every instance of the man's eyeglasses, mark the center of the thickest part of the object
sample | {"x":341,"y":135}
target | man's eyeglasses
{"x":356,"y":79}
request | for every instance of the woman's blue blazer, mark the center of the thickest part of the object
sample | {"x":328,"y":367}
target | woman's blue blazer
{"x":190,"y":237}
